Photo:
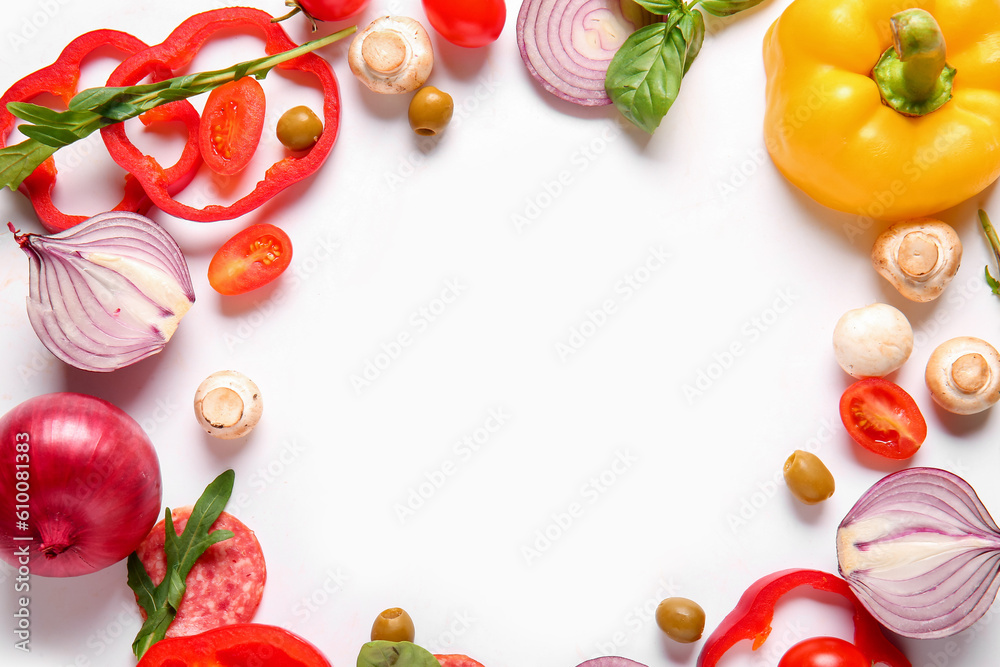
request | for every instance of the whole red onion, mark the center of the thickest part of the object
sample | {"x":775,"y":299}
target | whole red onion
{"x":79,"y":485}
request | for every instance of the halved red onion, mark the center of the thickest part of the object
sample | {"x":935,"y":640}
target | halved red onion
{"x":567,"y":45}
{"x":611,"y":661}
{"x":921,"y":552}
{"x":108,"y":292}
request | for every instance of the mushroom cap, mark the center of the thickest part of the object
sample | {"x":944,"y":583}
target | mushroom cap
{"x":919,"y":257}
{"x":963,"y":375}
{"x":228,"y":404}
{"x":872,"y":341}
{"x":392,"y":55}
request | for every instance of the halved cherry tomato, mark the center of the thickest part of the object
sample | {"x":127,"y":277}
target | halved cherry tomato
{"x":249,"y":260}
{"x":824,"y":652}
{"x":231,"y":125}
{"x":466,"y":23}
{"x":883,"y":418}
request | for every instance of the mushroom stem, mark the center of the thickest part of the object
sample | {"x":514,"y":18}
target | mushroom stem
{"x":970,"y":372}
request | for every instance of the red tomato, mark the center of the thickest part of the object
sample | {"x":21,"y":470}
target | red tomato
{"x":824,"y":652}
{"x":332,"y":10}
{"x":882,"y":418}
{"x":231,"y":125}
{"x":466,"y":22}
{"x":456,"y":660}
{"x":249,"y":260}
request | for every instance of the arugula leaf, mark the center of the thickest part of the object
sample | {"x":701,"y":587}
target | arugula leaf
{"x":727,"y":7}
{"x":17,"y":162}
{"x":991,"y":236}
{"x":161,"y":602}
{"x":644,"y":76}
{"x":94,"y":108}
{"x":401,"y":654}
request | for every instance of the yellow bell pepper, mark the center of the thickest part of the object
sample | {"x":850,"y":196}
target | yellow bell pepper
{"x":829,"y":126}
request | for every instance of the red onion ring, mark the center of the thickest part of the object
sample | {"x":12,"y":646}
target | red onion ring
{"x":567,"y":45}
{"x":107,"y":292}
{"x":922,"y":553}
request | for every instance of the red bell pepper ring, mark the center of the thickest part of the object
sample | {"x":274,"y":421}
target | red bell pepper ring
{"x":456,"y":660}
{"x":175,"y":52}
{"x":751,"y":619}
{"x":236,"y":644}
{"x":61,"y":78}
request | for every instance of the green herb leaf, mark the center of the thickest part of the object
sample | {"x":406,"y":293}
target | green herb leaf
{"x":33,"y":113}
{"x":94,"y":98}
{"x":401,"y":654}
{"x":161,"y":602}
{"x":727,"y":7}
{"x":692,"y":26}
{"x":661,"y":7}
{"x":991,"y":236}
{"x":18,"y":161}
{"x":644,"y":76}
{"x":56,"y":137}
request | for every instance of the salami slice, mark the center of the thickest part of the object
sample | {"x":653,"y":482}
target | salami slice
{"x":456,"y":660}
{"x":224,"y":586}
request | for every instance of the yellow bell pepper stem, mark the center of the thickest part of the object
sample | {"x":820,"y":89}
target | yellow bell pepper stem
{"x":912,"y":75}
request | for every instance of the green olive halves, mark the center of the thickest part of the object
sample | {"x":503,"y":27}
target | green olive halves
{"x":681,"y":619}
{"x":299,"y":128}
{"x":430,"y":111}
{"x":393,"y":625}
{"x":807,"y":478}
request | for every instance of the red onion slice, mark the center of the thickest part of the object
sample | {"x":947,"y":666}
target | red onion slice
{"x":567,"y":45}
{"x":108,"y":292}
{"x":922,"y":553}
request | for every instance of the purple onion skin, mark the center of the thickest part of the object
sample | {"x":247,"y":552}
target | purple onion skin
{"x":936,"y":528}
{"x":94,"y":487}
{"x":611,"y":661}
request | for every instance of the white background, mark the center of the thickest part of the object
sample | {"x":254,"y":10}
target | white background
{"x":691,"y":508}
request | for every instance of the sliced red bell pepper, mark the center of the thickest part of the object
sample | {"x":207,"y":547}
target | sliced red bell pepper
{"x":175,"y":52}
{"x":751,"y":619}
{"x":61,"y":78}
{"x":232,"y":645}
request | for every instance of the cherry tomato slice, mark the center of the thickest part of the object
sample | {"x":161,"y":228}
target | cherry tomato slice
{"x":231,"y":125}
{"x":466,"y":23}
{"x":249,"y":260}
{"x":456,"y":660}
{"x":883,"y":418}
{"x":824,"y":652}
{"x":331,"y":10}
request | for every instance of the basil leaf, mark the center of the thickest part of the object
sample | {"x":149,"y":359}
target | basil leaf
{"x":661,"y":7}
{"x":18,"y":161}
{"x":644,"y":76}
{"x":727,"y":7}
{"x":401,"y":654}
{"x":692,"y":26}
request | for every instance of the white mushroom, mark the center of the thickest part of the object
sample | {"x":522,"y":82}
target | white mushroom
{"x":963,"y":375}
{"x":872,"y":341}
{"x":919,"y":257}
{"x":392,"y":55}
{"x":228,"y":404}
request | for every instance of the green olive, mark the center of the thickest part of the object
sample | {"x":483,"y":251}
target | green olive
{"x":393,"y":625}
{"x":681,"y":619}
{"x":299,"y":128}
{"x":430,"y":111}
{"x":807,"y":478}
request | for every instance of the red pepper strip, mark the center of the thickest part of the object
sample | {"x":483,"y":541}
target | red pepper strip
{"x":456,"y":660}
{"x":232,"y":645}
{"x":751,"y":619}
{"x":61,"y":78}
{"x":176,"y":51}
